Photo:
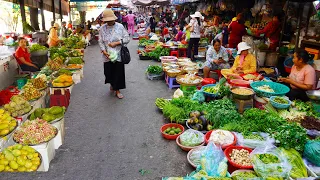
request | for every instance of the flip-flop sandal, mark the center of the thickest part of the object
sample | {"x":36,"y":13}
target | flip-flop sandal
{"x":119,"y":95}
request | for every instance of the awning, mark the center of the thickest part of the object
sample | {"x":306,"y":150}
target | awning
{"x":47,"y":5}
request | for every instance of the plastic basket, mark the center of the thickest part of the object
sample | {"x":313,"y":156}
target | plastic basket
{"x":207,"y":94}
{"x":279,"y":89}
{"x":155,"y":76}
{"x":208,"y":134}
{"x":6,"y":94}
{"x":233,"y":165}
{"x":278,"y":105}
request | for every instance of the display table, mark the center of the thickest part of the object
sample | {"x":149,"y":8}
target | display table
{"x":8,"y":71}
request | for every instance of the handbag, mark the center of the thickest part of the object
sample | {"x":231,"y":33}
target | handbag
{"x":124,"y":54}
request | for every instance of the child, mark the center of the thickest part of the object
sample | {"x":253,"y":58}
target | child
{"x":225,"y":33}
{"x":179,"y":35}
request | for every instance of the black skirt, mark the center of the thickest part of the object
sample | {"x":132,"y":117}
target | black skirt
{"x":115,"y":75}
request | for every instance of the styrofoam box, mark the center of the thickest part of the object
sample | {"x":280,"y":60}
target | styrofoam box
{"x":59,"y":139}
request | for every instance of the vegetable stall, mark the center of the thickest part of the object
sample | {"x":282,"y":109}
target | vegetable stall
{"x":241,"y":130}
{"x":32,"y":114}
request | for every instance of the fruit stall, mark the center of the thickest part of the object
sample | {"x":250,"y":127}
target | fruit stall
{"x":32,"y":112}
{"x":240,"y":127}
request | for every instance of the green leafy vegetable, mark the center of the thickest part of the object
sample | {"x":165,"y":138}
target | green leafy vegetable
{"x":154,"y":70}
{"x":291,"y":136}
{"x":37,"y":47}
{"x":75,"y":60}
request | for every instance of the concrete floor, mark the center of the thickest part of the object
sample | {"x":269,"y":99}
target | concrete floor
{"x":111,"y":139}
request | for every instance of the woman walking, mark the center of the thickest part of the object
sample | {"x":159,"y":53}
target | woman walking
{"x":111,"y":36}
{"x":130,"y":20}
{"x":194,"y":27}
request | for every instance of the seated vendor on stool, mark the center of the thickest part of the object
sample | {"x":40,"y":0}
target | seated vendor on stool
{"x":216,"y":58}
{"x":302,"y":77}
{"x":23,"y":57}
{"x":245,"y":62}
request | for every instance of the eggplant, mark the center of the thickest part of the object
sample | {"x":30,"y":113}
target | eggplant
{"x":203,"y":113}
{"x":194,"y":114}
{"x":197,"y":127}
{"x":203,"y":120}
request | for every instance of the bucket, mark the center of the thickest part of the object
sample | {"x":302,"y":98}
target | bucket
{"x":272,"y":59}
{"x":261,"y":57}
{"x":259,"y":102}
{"x":21,"y":82}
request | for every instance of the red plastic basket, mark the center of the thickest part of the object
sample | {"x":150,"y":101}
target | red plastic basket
{"x":207,"y":137}
{"x":6,"y":94}
{"x":232,"y":165}
{"x":171,"y":137}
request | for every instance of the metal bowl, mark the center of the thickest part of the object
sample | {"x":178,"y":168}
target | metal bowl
{"x":313,"y":94}
{"x":240,"y":96}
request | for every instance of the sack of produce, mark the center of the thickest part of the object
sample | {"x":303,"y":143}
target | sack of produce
{"x":178,"y":93}
{"x":268,"y":162}
{"x":298,"y":170}
{"x":244,"y":174}
{"x":191,"y":138}
{"x":312,"y":151}
{"x":253,"y":140}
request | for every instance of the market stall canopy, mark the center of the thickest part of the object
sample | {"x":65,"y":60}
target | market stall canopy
{"x":150,"y":2}
{"x":47,"y":5}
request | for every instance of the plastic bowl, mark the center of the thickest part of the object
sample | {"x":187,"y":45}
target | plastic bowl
{"x":189,"y":154}
{"x":187,"y":148}
{"x":168,"y":136}
{"x":207,"y":137}
{"x":278,"y":105}
{"x":228,"y":151}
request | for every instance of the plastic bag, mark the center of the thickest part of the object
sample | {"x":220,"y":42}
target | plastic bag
{"x":195,"y":156}
{"x":268,"y":162}
{"x":298,"y":170}
{"x":253,"y":143}
{"x":178,"y":93}
{"x":312,"y":152}
{"x":315,"y":169}
{"x":211,"y":159}
{"x":198,"y":96}
{"x":191,"y":138}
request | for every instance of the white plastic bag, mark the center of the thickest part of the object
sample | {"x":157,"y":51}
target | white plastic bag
{"x":191,"y":138}
{"x":253,"y":143}
{"x":269,"y":169}
{"x":178,"y":93}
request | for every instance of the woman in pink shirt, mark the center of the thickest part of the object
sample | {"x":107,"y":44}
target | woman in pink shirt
{"x":302,"y":77}
{"x":130,"y":20}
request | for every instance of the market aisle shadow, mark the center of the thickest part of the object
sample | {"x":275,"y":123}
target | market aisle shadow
{"x":111,"y":139}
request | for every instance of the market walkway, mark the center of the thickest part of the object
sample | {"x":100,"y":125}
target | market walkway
{"x":111,"y":139}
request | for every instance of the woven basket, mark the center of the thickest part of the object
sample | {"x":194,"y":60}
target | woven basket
{"x":174,"y":74}
{"x":191,"y":84}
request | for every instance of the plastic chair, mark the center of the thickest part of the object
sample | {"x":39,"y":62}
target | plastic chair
{"x":183,"y":52}
{"x":20,"y":71}
{"x":174,"y":53}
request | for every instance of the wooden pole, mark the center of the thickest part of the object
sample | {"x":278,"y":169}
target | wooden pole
{"x":299,"y":24}
{"x":60,"y":10}
{"x":53,"y":11}
{"x":23,"y":16}
{"x":43,"y":22}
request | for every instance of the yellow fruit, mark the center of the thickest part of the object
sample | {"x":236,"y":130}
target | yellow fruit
{"x":36,"y":159}
{"x":21,"y":161}
{"x":30,"y":149}
{"x":10,"y":170}
{"x":13,"y":165}
{"x":36,"y":163}
{"x":4,"y":162}
{"x":28,"y":164}
{"x":4,"y":132}
{"x":58,"y":84}
{"x":16,"y":152}
{"x":7,"y":168}
{"x":30,"y":156}
{"x":23,"y":156}
{"x":35,"y":155}
{"x":24,"y":152}
{"x":22,"y":169}
{"x":9,"y":156}
{"x":34,"y":167}
{"x":1,"y":111}
{"x":1,"y":167}
{"x":4,"y":125}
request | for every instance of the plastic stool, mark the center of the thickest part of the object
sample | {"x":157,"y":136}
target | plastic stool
{"x":174,"y":53}
{"x":59,"y":97}
{"x":171,"y":82}
{"x":218,"y":72}
{"x":183,"y":52}
{"x":59,"y":139}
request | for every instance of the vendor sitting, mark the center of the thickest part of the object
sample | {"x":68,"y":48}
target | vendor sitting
{"x":217,"y":58}
{"x":302,"y":77}
{"x":245,"y":63}
{"x":23,"y":57}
